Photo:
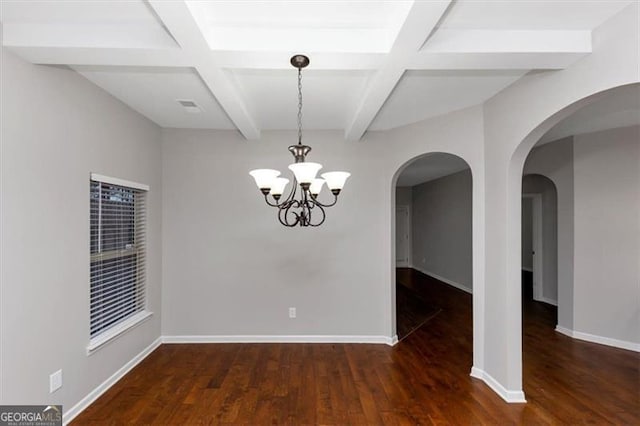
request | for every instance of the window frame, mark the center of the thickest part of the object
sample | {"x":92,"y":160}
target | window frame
{"x":127,"y":323}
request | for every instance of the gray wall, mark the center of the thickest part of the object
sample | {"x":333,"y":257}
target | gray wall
{"x":57,"y":128}
{"x":404,"y":196}
{"x":555,"y":161}
{"x":527,"y":234}
{"x":232,"y":269}
{"x":441,"y":228}
{"x":607,"y":233}
{"x":538,"y":184}
{"x":597,"y":179}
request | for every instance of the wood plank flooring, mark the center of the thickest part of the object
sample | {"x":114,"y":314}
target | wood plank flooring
{"x":414,"y":311}
{"x":422,"y":380}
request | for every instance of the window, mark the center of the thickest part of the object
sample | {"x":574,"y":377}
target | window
{"x":118,"y":251}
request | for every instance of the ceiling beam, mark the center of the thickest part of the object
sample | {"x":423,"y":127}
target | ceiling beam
{"x":419,"y":24}
{"x":181,"y":24}
{"x":501,"y":50}
{"x":102,"y":56}
{"x":349,"y":61}
{"x":176,"y":57}
{"x":508,"y":41}
{"x":493,"y":61}
{"x":141,"y":35}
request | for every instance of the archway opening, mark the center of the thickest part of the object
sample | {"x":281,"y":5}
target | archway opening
{"x":539,"y":246}
{"x":433,"y":253}
{"x":589,"y":152}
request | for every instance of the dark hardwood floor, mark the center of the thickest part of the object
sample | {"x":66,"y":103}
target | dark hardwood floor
{"x":413,"y":311}
{"x":422,"y":380}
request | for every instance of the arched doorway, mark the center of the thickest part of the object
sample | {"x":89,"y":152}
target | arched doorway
{"x":564,"y":192}
{"x":517,"y":166}
{"x":433,"y":217}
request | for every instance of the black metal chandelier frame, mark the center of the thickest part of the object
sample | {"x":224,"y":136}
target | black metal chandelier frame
{"x":300,"y":207}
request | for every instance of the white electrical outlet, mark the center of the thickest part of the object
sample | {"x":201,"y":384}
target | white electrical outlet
{"x":55,"y":381}
{"x":424,"y":260}
{"x":292,"y":312}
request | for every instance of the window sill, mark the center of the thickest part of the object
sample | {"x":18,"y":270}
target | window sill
{"x":101,"y":340}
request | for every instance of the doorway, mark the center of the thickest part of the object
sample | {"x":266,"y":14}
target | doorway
{"x":433,"y":240}
{"x":539,"y":239}
{"x":403,"y":236}
{"x":532,"y":247}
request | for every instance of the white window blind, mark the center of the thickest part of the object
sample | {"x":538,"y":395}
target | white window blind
{"x":117,"y":249}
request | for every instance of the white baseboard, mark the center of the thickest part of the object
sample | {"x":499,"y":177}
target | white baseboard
{"x":445,"y":280}
{"x":70,"y":414}
{"x":511,"y":396}
{"x":104,"y":386}
{"x":282,"y":339}
{"x":549,"y":301}
{"x":608,"y":341}
{"x":564,"y":330}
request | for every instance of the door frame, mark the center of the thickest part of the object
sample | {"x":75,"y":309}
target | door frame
{"x":407,"y":216}
{"x":537,"y":244}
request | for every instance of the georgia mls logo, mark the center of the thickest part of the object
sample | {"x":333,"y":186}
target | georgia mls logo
{"x":53,"y":408}
{"x":30,"y":415}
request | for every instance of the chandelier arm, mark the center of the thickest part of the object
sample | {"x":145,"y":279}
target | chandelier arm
{"x":284,"y":221}
{"x":312,"y":200}
{"x":308,"y":207}
{"x":324,"y":216}
{"x":318,"y":203}
{"x":266,"y":199}
{"x":282,"y":217}
{"x":286,"y":205}
{"x":292,"y":193}
{"x":305,"y":212}
{"x":295,"y":204}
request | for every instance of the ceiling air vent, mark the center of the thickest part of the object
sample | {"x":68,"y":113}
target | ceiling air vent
{"x":189,"y":105}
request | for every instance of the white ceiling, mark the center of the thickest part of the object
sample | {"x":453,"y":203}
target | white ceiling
{"x":329,"y":96}
{"x":531,"y":14}
{"x":619,"y":107}
{"x":374,"y":64}
{"x":430,"y":167}
{"x":157,"y":91}
{"x":309,"y":26}
{"x":421,"y":94}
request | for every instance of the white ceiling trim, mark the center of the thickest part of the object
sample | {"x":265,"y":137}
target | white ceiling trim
{"x":508,"y":41}
{"x":180,"y":23}
{"x":184,"y":45}
{"x":113,"y":56}
{"x":421,"y":21}
{"x":493,"y":61}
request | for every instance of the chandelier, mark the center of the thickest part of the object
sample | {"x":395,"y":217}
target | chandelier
{"x":301,"y":206}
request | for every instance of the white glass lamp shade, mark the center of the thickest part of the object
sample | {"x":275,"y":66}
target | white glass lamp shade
{"x":278,"y":186}
{"x":264,"y":177}
{"x":335,"y":180}
{"x":305,"y":172}
{"x":316,"y":186}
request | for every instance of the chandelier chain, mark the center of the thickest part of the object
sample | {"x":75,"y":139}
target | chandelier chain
{"x":299,"y":106}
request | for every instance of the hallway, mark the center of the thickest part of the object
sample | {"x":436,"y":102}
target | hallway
{"x":565,"y":380}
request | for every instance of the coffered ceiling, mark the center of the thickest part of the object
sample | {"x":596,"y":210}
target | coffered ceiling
{"x":374,"y":64}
